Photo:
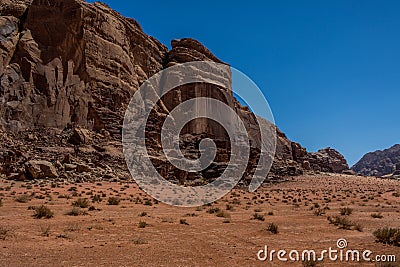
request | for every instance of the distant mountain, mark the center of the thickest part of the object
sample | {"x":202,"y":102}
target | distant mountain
{"x":379,"y":163}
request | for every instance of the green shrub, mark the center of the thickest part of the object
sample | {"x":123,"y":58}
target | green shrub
{"x":344,"y":223}
{"x":96,"y":198}
{"x":213,"y":210}
{"x":319,"y":212}
{"x":43,"y":212}
{"x":138,"y":200}
{"x":139,"y":241}
{"x":76,"y":211}
{"x":346,"y":211}
{"x":45,"y":231}
{"x":390,"y":236}
{"x":258,"y":216}
{"x":148,"y":203}
{"x":143,"y":214}
{"x":114,"y":200}
{"x":357,"y":227}
{"x":142,"y":224}
{"x":223,"y":214}
{"x":229,"y":207}
{"x":167,"y":220}
{"x":23,"y":198}
{"x":72,"y":228}
{"x":377,"y":215}
{"x":4,"y":232}
{"x":183,"y":221}
{"x":81,"y":203}
{"x":235,"y":201}
{"x":310,"y":263}
{"x":273,"y":228}
{"x":341,"y":222}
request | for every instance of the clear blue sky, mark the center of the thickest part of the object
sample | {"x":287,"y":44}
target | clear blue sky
{"x":329,"y":69}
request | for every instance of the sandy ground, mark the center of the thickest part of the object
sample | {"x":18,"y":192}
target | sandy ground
{"x":141,"y":232}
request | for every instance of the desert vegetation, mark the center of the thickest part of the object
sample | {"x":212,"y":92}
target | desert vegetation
{"x":43,"y":212}
{"x":390,"y":236}
{"x":110,"y":216}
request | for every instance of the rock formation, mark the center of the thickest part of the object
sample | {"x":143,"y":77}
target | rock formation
{"x":72,"y":62}
{"x":379,"y":163}
{"x":67,"y":71}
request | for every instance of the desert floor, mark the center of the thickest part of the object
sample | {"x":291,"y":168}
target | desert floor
{"x":138,"y":231}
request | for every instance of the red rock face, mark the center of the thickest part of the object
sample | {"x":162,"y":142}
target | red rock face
{"x":72,"y":62}
{"x":68,"y":62}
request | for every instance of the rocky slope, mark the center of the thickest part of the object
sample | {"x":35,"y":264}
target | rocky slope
{"x":380,"y":163}
{"x":67,"y":71}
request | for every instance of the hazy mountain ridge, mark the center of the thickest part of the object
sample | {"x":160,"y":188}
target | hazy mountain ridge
{"x":379,"y":163}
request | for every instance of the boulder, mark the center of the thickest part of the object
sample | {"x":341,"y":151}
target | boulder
{"x":38,"y":169}
{"x":17,"y":177}
{"x":306,"y":165}
{"x":328,"y":160}
{"x":70,"y":167}
{"x":83,"y":168}
{"x":79,"y":136}
{"x":66,"y":159}
{"x":14,"y":8}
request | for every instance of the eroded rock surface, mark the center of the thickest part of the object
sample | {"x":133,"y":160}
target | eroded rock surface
{"x":67,"y":71}
{"x":71,"y":62}
{"x":379,"y":163}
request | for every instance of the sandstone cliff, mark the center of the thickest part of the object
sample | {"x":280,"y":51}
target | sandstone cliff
{"x":71,"y":62}
{"x":67,"y":71}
